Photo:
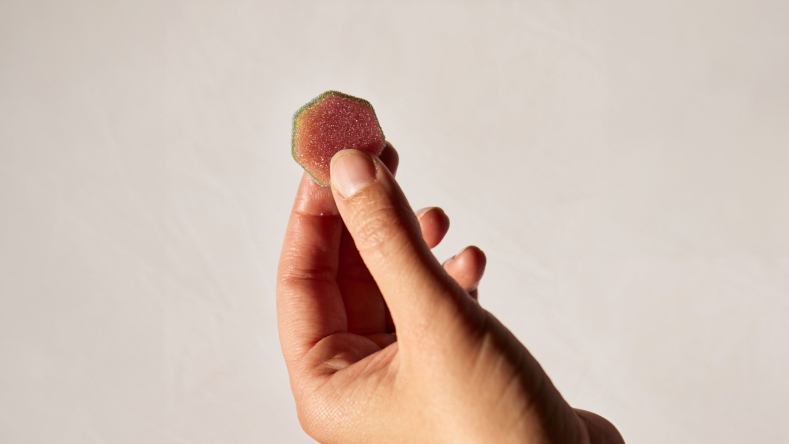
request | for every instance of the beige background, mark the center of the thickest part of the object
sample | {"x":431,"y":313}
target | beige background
{"x":625,"y":165}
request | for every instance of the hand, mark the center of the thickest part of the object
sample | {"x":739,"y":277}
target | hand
{"x":450,"y":372}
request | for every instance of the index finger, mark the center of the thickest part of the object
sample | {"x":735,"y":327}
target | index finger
{"x":309,"y":303}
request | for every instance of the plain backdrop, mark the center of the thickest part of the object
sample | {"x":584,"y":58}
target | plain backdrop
{"x":625,"y":165}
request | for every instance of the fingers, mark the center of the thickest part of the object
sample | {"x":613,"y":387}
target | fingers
{"x":434,"y":225}
{"x":309,"y":304}
{"x":467,"y":268}
{"x":389,"y":239}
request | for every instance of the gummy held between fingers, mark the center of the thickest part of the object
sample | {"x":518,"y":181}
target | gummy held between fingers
{"x":329,"y":123}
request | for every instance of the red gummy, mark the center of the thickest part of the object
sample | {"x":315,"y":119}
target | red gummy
{"x":329,"y":123}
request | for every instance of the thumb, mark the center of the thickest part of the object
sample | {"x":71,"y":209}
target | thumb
{"x":419,"y":293}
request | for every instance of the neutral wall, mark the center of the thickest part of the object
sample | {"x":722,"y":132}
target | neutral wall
{"x":625,"y":165}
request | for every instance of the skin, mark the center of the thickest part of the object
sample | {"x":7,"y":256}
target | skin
{"x":354,"y":266}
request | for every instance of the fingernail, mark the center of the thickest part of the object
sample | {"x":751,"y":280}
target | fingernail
{"x":455,"y":256}
{"x":351,"y":170}
{"x":421,"y":213}
{"x":462,"y":251}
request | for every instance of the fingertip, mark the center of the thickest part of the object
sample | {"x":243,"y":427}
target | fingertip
{"x":351,"y":171}
{"x":467,"y":267}
{"x":313,"y":198}
{"x":434,"y":223}
{"x":469,"y":258}
{"x":436,"y":212}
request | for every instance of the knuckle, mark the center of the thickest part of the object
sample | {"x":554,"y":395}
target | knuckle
{"x":376,"y":226}
{"x":380,"y":229}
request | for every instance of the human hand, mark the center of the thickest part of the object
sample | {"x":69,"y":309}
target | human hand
{"x":353,"y":255}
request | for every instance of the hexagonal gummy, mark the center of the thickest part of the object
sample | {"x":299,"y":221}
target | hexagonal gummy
{"x":329,"y":123}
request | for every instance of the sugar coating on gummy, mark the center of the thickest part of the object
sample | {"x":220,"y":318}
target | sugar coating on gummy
{"x":329,"y":123}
